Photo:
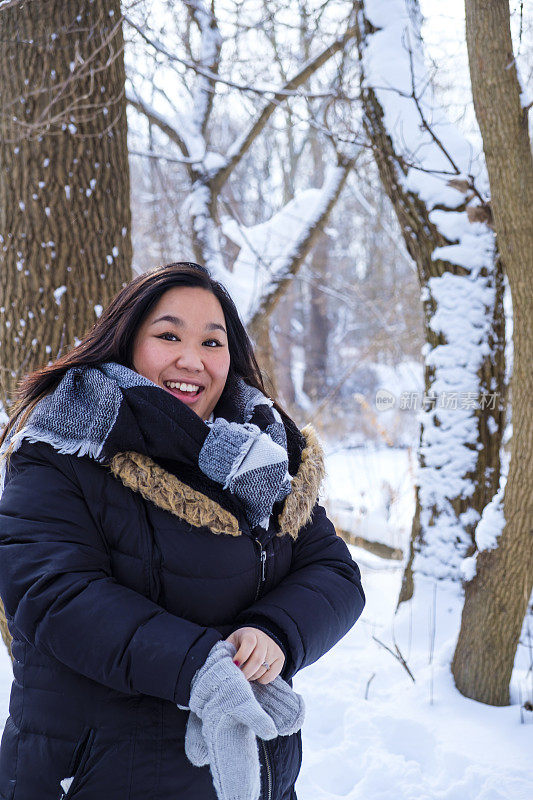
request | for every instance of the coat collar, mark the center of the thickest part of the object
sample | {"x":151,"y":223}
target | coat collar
{"x":141,"y":474}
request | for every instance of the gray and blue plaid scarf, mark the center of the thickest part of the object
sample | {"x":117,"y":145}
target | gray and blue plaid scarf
{"x":103,"y":410}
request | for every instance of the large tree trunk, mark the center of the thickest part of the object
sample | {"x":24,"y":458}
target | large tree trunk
{"x":496,"y":598}
{"x":443,"y":526}
{"x":64,"y":177}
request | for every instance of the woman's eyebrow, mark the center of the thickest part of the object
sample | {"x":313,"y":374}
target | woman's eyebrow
{"x":211,"y":326}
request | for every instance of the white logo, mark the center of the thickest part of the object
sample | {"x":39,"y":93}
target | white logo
{"x":384,"y":400}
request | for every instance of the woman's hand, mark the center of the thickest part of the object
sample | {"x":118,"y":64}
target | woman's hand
{"x":253,"y":648}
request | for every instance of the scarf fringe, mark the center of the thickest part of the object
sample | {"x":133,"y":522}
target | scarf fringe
{"x":25,"y":434}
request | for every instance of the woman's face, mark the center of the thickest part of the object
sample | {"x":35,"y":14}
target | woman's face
{"x":182,"y":345}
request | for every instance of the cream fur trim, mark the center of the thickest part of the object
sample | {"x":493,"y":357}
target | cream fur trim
{"x":141,"y":474}
{"x":305,"y":486}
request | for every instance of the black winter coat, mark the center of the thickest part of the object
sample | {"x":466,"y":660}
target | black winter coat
{"x":116,"y":584}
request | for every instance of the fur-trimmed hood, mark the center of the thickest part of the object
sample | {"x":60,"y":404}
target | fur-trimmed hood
{"x":141,"y":474}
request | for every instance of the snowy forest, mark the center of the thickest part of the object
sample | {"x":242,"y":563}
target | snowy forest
{"x":359,"y":175}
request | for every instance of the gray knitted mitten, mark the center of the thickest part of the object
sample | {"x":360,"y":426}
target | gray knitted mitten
{"x":231,"y":717}
{"x":282,"y":703}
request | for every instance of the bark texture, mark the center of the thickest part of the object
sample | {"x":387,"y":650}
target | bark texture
{"x":496,"y":598}
{"x":64,"y":177}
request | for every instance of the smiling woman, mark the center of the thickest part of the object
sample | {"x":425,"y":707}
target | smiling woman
{"x":182,"y":345}
{"x":165,"y":567}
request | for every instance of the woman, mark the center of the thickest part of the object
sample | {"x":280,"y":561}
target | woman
{"x":159,"y":518}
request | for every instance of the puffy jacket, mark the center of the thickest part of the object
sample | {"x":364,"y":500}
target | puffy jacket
{"x":116,"y":582}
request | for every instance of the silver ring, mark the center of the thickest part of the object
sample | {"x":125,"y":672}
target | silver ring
{"x":265,"y":664}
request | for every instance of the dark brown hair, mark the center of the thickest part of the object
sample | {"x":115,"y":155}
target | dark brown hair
{"x":112,"y":336}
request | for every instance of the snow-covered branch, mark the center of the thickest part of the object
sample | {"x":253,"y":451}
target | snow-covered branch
{"x":272,"y":252}
{"x":260,"y":90}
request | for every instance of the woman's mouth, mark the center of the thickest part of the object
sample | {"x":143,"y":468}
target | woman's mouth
{"x":187,"y":392}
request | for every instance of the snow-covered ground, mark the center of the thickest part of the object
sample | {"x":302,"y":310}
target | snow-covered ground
{"x":370,"y":732}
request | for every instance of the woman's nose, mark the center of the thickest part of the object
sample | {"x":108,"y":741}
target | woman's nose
{"x":189,"y":358}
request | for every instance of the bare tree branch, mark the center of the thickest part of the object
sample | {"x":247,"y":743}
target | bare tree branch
{"x":239,"y":148}
{"x":261,"y":91}
{"x":162,"y":123}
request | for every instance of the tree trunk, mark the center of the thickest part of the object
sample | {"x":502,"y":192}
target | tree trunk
{"x":283,"y":339}
{"x":317,"y":333}
{"x":496,"y":598}
{"x":439,"y":521}
{"x":64,"y":177}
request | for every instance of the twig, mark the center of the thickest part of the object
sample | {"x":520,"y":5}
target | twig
{"x":432,"y":629}
{"x":369,"y":681}
{"x":397,"y":655}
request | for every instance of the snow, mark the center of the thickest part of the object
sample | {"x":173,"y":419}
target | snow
{"x":297,"y":375}
{"x":213,"y":161}
{"x":66,"y":783}
{"x":58,"y":294}
{"x":491,"y":524}
{"x":405,"y":741}
{"x":368,"y":491}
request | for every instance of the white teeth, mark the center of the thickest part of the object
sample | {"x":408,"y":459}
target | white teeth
{"x":183,"y":387}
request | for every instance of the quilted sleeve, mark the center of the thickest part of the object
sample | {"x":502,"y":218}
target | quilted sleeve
{"x":317,"y":603}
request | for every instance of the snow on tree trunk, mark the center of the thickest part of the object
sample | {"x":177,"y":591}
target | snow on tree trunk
{"x":428,"y":172}
{"x":497,"y":596}
{"x":64,"y":177}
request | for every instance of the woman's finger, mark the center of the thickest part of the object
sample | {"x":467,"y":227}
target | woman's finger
{"x":245,"y":642}
{"x":254,"y":663}
{"x":264,"y":676}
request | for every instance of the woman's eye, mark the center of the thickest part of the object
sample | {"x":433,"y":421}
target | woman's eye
{"x":165,"y":335}
{"x":213,"y":343}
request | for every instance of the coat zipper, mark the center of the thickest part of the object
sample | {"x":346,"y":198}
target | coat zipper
{"x":269,"y":773}
{"x":262,"y":570}
{"x":262,"y":578}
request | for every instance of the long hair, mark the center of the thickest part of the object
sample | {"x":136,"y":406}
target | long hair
{"x":112,"y":336}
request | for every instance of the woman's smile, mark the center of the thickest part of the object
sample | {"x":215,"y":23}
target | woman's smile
{"x":185,"y":391}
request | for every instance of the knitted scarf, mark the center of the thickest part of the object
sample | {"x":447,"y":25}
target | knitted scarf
{"x":104,"y":410}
